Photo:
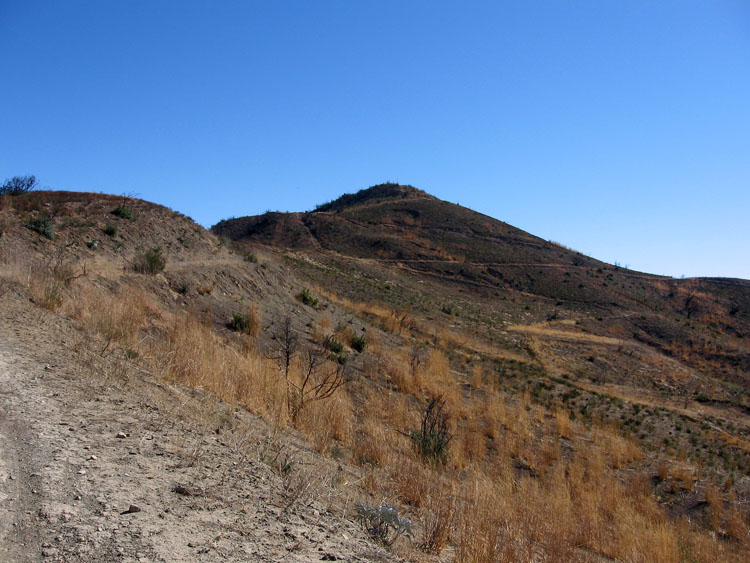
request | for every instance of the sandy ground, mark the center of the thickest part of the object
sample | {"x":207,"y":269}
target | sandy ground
{"x":100,"y":462}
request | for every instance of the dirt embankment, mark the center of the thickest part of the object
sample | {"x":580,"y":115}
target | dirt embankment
{"x":100,"y":462}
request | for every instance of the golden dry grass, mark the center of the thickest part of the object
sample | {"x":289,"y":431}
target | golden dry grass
{"x":507,"y":471}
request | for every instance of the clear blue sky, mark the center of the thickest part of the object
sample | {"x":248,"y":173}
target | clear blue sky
{"x":618,"y":128}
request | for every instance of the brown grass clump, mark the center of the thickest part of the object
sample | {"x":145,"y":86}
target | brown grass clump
{"x":438,"y":518}
{"x":329,"y":421}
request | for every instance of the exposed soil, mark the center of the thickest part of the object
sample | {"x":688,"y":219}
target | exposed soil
{"x":100,"y":462}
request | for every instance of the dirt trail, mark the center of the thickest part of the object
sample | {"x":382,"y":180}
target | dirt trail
{"x":99,"y":462}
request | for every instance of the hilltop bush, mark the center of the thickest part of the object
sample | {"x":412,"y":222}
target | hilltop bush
{"x":18,"y":185}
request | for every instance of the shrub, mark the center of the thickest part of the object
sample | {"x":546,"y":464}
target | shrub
{"x":250,"y":257}
{"x":308,"y":299}
{"x":18,"y":185}
{"x":432,"y":439}
{"x":150,"y":262}
{"x":249,"y":323}
{"x":122,"y":211}
{"x":42,"y":225}
{"x":239,"y":322}
{"x":383,"y":522}
{"x":110,"y":230}
{"x":358,"y":343}
{"x":333,"y":345}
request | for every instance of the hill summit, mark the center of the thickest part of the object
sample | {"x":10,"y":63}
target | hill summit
{"x":378,"y":192}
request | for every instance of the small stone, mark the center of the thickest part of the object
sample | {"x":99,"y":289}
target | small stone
{"x":77,"y":497}
{"x":66,"y":517}
{"x":122,"y":435}
{"x":132,"y":509}
{"x":82,"y":472}
{"x":92,"y":458}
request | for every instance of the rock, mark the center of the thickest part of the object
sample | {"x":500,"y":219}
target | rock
{"x":122,"y":435}
{"x":92,"y":458}
{"x":132,"y":509}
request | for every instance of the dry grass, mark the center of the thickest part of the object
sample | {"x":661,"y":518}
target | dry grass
{"x":508,"y":470}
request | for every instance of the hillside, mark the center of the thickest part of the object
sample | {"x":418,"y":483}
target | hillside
{"x":388,"y":349}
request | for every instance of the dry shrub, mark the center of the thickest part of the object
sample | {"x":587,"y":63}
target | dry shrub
{"x":329,"y":420}
{"x":438,"y":517}
{"x":618,"y":449}
{"x":472,"y":444}
{"x":715,"y":506}
{"x":401,"y":376}
{"x":370,"y":442}
{"x":477,"y":376}
{"x":254,"y":319}
{"x":206,"y":288}
{"x":411,"y":481}
{"x":562,"y":423}
{"x":684,"y":476}
{"x":735,"y":525}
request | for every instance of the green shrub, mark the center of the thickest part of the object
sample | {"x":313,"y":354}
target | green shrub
{"x":334,"y":345}
{"x":150,"y":262}
{"x":308,"y":299}
{"x":250,"y":257}
{"x":239,"y":322}
{"x":42,"y":225}
{"x":432,"y":439}
{"x":110,"y":230}
{"x":123,"y":212}
{"x":358,"y":343}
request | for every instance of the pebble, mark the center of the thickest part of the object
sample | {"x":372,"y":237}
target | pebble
{"x":92,"y":458}
{"x":82,"y":472}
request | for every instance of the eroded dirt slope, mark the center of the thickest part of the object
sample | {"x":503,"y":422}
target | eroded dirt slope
{"x":99,"y":462}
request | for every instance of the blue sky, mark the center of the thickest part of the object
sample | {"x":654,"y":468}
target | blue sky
{"x":620,"y":129}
